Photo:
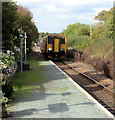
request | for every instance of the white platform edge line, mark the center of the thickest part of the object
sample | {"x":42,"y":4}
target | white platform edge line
{"x":83,"y":91}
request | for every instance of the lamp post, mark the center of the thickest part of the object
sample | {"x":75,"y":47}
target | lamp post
{"x":25,"y":37}
{"x":21,"y":60}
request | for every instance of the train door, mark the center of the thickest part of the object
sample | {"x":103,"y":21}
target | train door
{"x":56,"y":45}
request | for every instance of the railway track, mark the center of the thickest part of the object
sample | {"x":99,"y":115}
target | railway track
{"x":104,"y":89}
{"x":85,"y":75}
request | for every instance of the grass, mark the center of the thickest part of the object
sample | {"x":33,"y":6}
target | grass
{"x":101,"y":48}
{"x":63,"y":89}
{"x":28,"y":80}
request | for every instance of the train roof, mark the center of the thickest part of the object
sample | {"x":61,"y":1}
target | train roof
{"x":54,"y":34}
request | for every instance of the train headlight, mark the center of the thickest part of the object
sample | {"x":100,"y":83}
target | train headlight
{"x":62,"y":49}
{"x":49,"y":49}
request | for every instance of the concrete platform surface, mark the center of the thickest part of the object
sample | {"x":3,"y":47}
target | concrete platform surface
{"x":57,"y":97}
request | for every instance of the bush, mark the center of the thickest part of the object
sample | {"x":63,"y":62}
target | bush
{"x":7,"y":87}
{"x":8,"y":66}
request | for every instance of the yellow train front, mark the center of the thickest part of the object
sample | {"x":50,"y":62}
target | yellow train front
{"x":53,"y":46}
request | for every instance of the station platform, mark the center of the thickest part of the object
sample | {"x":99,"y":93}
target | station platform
{"x":58,"y":96}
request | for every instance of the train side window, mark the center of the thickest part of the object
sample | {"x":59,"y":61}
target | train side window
{"x":62,"y":40}
{"x":50,"y":40}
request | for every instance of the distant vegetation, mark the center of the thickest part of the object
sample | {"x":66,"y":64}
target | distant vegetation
{"x":97,"y":38}
{"x":42,"y":34}
{"x":77,"y":35}
{"x":93,"y":44}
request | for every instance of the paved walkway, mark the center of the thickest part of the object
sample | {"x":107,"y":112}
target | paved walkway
{"x":56,"y":97}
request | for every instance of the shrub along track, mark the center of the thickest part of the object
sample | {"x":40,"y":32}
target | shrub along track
{"x":103,"y":94}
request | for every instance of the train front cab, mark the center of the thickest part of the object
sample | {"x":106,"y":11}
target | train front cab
{"x":56,"y":46}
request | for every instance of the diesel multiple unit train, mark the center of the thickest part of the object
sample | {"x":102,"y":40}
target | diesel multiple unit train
{"x":53,"y":46}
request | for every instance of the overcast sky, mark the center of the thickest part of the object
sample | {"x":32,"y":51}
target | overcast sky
{"x":54,"y":16}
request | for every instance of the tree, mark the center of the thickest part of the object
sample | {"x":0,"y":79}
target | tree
{"x":77,"y":35}
{"x":9,"y":19}
{"x":25,"y":21}
{"x":106,"y":20}
{"x":13,"y":18}
{"x":42,"y":34}
{"x":102,"y":35}
{"x":106,"y":16}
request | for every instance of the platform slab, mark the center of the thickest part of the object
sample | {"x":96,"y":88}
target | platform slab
{"x":56,"y":97}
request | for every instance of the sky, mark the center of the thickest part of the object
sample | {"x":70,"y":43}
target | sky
{"x":54,"y":16}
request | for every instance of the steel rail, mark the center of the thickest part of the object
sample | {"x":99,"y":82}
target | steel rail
{"x":89,"y":78}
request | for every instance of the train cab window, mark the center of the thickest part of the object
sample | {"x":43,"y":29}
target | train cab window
{"x":62,"y":40}
{"x":50,"y":40}
{"x":57,"y":37}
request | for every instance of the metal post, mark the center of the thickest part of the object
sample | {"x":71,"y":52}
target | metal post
{"x":25,"y":45}
{"x":21,"y":60}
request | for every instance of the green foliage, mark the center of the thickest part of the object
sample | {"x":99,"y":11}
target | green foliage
{"x":25,"y":21}
{"x":105,"y":16}
{"x":8,"y":66}
{"x":7,"y":61}
{"x":82,"y":42}
{"x":102,"y":35}
{"x":13,"y":18}
{"x":9,"y":18}
{"x":42,"y":34}
{"x":101,"y":47}
{"x":100,"y":42}
{"x":106,"y":22}
{"x":102,"y":29}
{"x":77,"y":36}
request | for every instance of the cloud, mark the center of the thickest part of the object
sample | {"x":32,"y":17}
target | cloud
{"x":67,"y":2}
{"x":55,"y":15}
{"x":53,"y":8}
{"x":29,"y":1}
{"x":78,"y":2}
{"x":99,"y":9}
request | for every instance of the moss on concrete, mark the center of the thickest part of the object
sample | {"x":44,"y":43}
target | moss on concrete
{"x":28,"y":80}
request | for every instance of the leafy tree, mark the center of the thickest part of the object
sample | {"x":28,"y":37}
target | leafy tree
{"x":14,"y":17}
{"x":102,"y":35}
{"x":105,"y":16}
{"x":106,"y":22}
{"x":77,"y":35}
{"x":84,"y":30}
{"x":42,"y":34}
{"x":25,"y":21}
{"x":9,"y":18}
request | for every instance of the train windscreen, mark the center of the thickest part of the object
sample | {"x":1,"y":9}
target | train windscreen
{"x":50,"y":40}
{"x":62,"y":40}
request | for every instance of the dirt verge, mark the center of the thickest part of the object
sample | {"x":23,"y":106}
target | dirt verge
{"x":104,"y":66}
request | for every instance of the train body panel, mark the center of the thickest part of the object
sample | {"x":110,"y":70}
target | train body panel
{"x":54,"y":46}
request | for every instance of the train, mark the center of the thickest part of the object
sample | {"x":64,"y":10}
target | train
{"x":53,"y":46}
